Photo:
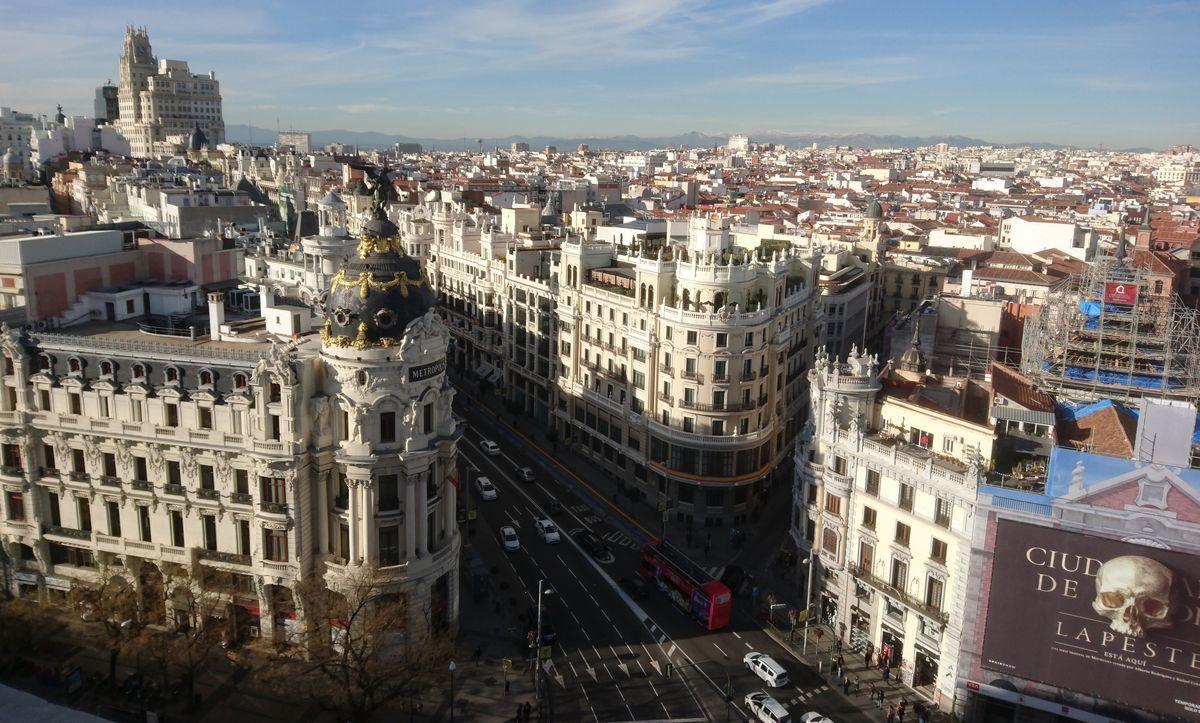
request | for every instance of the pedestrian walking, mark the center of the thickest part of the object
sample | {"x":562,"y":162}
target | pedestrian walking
{"x":506,"y":684}
{"x":841,"y":662}
{"x":857,"y":685}
{"x":871,"y":689}
{"x":887,"y":673}
{"x":528,"y":708}
{"x":867,"y":658}
{"x":846,"y":686}
{"x":891,"y":714}
{"x":838,"y":646}
{"x":900,"y":711}
{"x":520,"y":713}
{"x":881,"y":698}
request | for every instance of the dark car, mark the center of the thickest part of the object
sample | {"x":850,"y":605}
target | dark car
{"x":636,"y":586}
{"x":593,"y":544}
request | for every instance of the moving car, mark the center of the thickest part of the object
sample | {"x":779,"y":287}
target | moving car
{"x":487,"y":490}
{"x":548,"y":530}
{"x":509,"y":535}
{"x":814,"y":717}
{"x":525,"y":474}
{"x":765,"y":667}
{"x":593,"y":544}
{"x":766,"y":709}
{"x":489,"y":447}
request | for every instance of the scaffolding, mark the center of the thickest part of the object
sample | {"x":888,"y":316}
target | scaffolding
{"x":1087,"y":344}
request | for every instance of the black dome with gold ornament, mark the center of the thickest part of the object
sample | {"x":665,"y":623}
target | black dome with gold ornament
{"x":373,"y":298}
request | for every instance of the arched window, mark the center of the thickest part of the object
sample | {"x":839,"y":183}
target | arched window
{"x":239,"y":381}
{"x":1158,"y":287}
{"x":75,"y":365}
{"x":172,"y":374}
{"x":642,"y":295}
{"x":650,"y":296}
{"x":106,"y":369}
{"x":206,"y":378}
{"x":139,"y":372}
{"x":718,"y":300}
{"x":45,"y":362}
{"x":687,"y":300}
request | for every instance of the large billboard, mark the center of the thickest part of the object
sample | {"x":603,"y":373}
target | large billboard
{"x":1102,"y":617}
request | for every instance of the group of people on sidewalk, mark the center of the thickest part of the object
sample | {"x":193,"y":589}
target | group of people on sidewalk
{"x":852,"y":685}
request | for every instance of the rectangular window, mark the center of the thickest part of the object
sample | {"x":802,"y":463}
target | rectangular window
{"x":933,"y":593}
{"x":833,"y":504}
{"x":172,"y":414}
{"x":839,"y":465}
{"x":210,"y":532}
{"x":139,"y":469}
{"x":389,"y":492}
{"x":943,"y":513}
{"x":639,"y":380}
{"x":749,"y":340}
{"x":937,"y":551}
{"x":722,"y":340}
{"x":866,"y":556}
{"x":206,"y":418}
{"x":12,"y":456}
{"x":144,"y":522}
{"x":903,"y":533}
{"x":389,"y":546}
{"x":55,"y":512}
{"x":692,"y":338}
{"x":241,"y":481}
{"x":868,"y":518}
{"x":899,"y":574}
{"x":110,"y":464}
{"x":276,"y":545}
{"x":718,"y":428}
{"x":76,"y":402}
{"x":44,"y":400}
{"x":387,"y":426}
{"x":105,"y":410}
{"x":427,"y":418}
{"x":78,"y":463}
{"x":243,"y":537}
{"x":174,"y":475}
{"x":176,"y":528}
{"x":235,"y":416}
{"x":114,"y":517}
{"x":48,"y":456}
{"x":16,"y":507}
{"x":207,"y":477}
{"x":135,"y":409}
{"x":274,"y":430}
{"x":829,"y":541}
{"x":872,"y":483}
{"x":274,"y":490}
{"x":906,"y":497}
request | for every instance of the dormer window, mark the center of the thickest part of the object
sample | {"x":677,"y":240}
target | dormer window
{"x":75,"y":365}
{"x":239,"y":381}
{"x":45,"y":362}
{"x":172,"y":375}
{"x":1152,"y":493}
{"x":106,"y":369}
{"x":206,"y":379}
{"x":139,"y":372}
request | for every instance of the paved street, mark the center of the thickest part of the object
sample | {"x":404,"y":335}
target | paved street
{"x":610,"y":661}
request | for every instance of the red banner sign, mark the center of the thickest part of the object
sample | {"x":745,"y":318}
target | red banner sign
{"x":1119,"y":293}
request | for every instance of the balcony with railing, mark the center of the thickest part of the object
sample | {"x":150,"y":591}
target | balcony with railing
{"x":692,"y":376}
{"x":278,"y":508}
{"x":70,"y":532}
{"x":241,"y":498}
{"x":174,"y":489}
{"x":206,"y":493}
{"x":228,"y":558}
{"x":906,"y":599}
{"x":141,"y":484}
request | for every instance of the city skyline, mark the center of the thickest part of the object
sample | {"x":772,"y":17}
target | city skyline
{"x":1110,"y":73}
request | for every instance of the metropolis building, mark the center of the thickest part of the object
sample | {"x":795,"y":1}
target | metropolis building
{"x":269,"y":458}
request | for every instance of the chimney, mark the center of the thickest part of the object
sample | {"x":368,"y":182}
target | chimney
{"x":216,"y":314}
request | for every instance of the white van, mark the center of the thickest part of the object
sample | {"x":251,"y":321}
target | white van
{"x":767,"y":709}
{"x":765,"y":667}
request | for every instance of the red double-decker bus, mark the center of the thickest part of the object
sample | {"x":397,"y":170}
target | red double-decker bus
{"x":689,"y":585}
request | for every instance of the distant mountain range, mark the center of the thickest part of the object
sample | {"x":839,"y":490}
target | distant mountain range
{"x":241,"y":133}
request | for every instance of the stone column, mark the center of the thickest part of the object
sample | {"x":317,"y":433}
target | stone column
{"x":322,"y":488}
{"x":370,"y":546}
{"x":422,"y":515}
{"x":410,"y":517}
{"x":353,"y":484}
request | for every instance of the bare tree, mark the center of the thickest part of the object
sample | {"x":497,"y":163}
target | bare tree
{"x":358,"y":654}
{"x":24,"y":625}
{"x":185,"y":651}
{"x":113,"y":602}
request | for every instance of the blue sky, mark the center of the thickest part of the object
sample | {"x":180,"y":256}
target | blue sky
{"x":1116,"y":73}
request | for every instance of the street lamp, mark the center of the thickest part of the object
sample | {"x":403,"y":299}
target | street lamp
{"x":453,"y":667}
{"x":808,"y":592}
{"x":537,"y":651}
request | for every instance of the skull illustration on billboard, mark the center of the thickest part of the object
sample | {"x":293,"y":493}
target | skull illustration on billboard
{"x":1134,"y":592}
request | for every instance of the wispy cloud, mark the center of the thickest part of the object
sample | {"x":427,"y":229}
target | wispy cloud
{"x":829,"y":74}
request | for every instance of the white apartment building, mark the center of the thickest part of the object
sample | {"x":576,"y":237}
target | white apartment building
{"x":886,"y":474}
{"x":16,"y":134}
{"x":162,"y":101}
{"x":676,"y":364}
{"x":264,"y":457}
{"x":1034,"y":234}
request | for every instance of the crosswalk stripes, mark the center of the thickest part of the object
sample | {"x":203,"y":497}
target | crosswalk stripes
{"x":716,"y":571}
{"x":805,"y":695}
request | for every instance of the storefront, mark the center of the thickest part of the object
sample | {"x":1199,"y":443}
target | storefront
{"x":27,"y":584}
{"x":829,"y":607}
{"x":925,"y":668}
{"x":860,"y":617}
{"x":58,"y":590}
{"x":891,"y":645}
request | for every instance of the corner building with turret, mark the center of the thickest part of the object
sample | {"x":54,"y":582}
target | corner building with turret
{"x":258,"y":456}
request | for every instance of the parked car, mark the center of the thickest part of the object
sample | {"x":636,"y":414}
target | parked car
{"x":489,"y":447}
{"x":508,"y":534}
{"x":765,"y":667}
{"x":487,"y":490}
{"x":594,"y":546}
{"x":525,"y":474}
{"x":548,"y":530}
{"x":814,"y":717}
{"x":766,"y":709}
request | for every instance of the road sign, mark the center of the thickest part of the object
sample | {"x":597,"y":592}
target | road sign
{"x":669,"y":670}
{"x":506,"y":664}
{"x":662,"y":505}
{"x":545,"y":652}
{"x":472,"y":514}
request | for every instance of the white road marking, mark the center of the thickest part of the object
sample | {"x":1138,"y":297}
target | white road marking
{"x":739,"y":637}
{"x":748,"y":647}
{"x":671,"y":651}
{"x":606,"y":670}
{"x":589,"y":702}
{"x":718,"y":647}
{"x":572,"y":668}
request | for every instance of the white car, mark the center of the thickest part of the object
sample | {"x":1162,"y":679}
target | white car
{"x":489,"y":447}
{"x":766,"y":709}
{"x":487,"y":490}
{"x":548,"y":530}
{"x":814,"y":717}
{"x":765,"y":667}
{"x":508,"y":534}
